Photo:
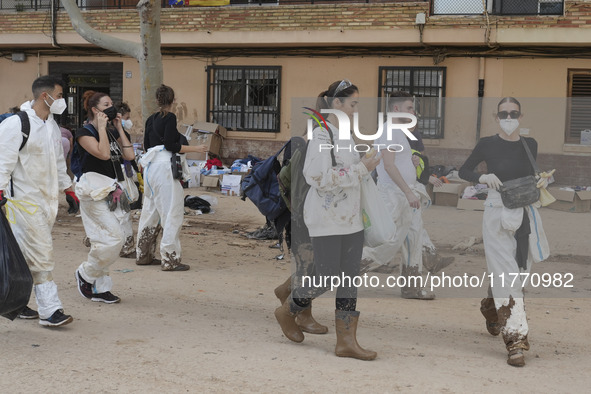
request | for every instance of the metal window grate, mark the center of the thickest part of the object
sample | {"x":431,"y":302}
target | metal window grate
{"x":497,"y":7}
{"x":427,"y":84}
{"x":244,"y":98}
{"x":579,"y":104}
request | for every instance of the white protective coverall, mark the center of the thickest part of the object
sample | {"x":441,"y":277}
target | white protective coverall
{"x":39,"y":176}
{"x":409,"y":229}
{"x":103,"y":228}
{"x":163,"y":207}
{"x":498,"y":233}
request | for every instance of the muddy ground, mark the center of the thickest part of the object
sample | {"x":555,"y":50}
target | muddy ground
{"x":212,"y":329}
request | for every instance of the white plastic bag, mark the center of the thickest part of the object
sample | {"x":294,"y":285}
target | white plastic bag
{"x":379,"y":228}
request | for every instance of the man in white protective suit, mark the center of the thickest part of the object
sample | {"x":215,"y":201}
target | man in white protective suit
{"x":32,"y":177}
{"x":404,"y":198}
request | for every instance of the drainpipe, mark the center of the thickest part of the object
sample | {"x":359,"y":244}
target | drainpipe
{"x":54,"y":6}
{"x":480,"y":96}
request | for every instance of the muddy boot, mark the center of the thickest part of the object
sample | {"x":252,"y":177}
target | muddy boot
{"x":282,"y":291}
{"x":308,"y":324}
{"x":346,"y":328}
{"x":413,"y":290}
{"x":304,"y":319}
{"x":434,"y":263}
{"x":286,"y":317}
{"x":489,"y":311}
{"x":515,"y":357}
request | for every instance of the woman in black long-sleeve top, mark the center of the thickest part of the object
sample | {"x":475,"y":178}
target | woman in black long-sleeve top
{"x":513,"y":238}
{"x":163,"y":194}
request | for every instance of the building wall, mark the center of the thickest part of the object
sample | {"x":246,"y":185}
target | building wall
{"x":540,"y":83}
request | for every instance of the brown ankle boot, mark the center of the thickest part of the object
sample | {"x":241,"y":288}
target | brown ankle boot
{"x":286,"y":315}
{"x":308,"y":324}
{"x":346,"y":328}
{"x":282,"y":291}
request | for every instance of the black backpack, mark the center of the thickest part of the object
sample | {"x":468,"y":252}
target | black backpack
{"x":78,"y":158}
{"x":25,"y":131}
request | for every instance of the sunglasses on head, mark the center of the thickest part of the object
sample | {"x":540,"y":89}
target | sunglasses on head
{"x":345,"y":83}
{"x":505,"y":114}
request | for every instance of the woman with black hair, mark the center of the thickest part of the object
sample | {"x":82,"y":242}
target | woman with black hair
{"x":332,"y":214}
{"x":163,"y":206}
{"x":513,"y":238}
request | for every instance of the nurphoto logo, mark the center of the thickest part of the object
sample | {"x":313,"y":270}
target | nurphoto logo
{"x":345,"y":129}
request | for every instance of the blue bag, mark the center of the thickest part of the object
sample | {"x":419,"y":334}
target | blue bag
{"x":262,"y":187}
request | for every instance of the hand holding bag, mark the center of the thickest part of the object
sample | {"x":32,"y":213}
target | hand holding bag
{"x":521,"y":192}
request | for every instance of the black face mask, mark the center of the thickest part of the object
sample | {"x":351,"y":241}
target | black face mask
{"x":111,"y":112}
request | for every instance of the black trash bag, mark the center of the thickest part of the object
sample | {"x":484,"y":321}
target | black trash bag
{"x":197,"y":203}
{"x":16,"y":281}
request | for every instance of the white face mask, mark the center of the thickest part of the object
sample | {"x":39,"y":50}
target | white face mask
{"x":127,"y":124}
{"x":58,"y":106}
{"x":509,"y":125}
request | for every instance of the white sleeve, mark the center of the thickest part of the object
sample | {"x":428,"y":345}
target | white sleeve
{"x":63,"y":178}
{"x":319,"y":171}
{"x":10,"y":142}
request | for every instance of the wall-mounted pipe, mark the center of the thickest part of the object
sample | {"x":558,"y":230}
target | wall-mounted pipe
{"x":480,"y":96}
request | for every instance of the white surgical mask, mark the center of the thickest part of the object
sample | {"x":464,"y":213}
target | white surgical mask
{"x":58,"y":106}
{"x":509,"y":125}
{"x":127,"y":124}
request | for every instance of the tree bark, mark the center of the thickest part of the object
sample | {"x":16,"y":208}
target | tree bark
{"x":147,"y":53}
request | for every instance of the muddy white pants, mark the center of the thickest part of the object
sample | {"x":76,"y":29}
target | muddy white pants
{"x":32,"y":230}
{"x":163,"y":207}
{"x":498,"y":233}
{"x":103,"y":228}
{"x":127,"y":228}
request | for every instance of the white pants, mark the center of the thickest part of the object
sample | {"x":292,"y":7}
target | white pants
{"x":126,"y":226}
{"x":103,"y":228}
{"x":32,"y":230}
{"x":498,"y":233}
{"x":409,"y":230}
{"x":163,"y":207}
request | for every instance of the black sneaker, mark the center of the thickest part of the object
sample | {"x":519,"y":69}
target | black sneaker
{"x":57,"y":319}
{"x":28,"y":313}
{"x":106,"y":297}
{"x":84,"y":287}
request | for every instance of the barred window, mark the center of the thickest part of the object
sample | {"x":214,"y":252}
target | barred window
{"x":244,"y":98}
{"x":498,"y":7}
{"x":578,"y":116}
{"x":427,"y":85}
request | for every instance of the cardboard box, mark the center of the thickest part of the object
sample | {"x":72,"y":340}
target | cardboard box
{"x":469,"y":204}
{"x":213,"y":142}
{"x":448,"y":194}
{"x":210,"y":181}
{"x":213,"y":128}
{"x":570,"y":201}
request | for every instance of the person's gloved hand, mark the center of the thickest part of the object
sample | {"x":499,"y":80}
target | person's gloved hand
{"x":544,"y":179}
{"x":73,"y":202}
{"x":2,"y":199}
{"x":114,"y":198}
{"x":491,"y":180}
{"x":140,"y":180}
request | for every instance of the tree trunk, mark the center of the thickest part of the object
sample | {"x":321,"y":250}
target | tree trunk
{"x":147,"y":53}
{"x":151,"y":59}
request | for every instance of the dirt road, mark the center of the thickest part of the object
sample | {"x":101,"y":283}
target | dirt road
{"x":212,"y":329}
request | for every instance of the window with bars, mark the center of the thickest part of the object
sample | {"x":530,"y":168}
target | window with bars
{"x":427,"y":85}
{"x":498,"y":7}
{"x":244,"y":98}
{"x":579,"y":105}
